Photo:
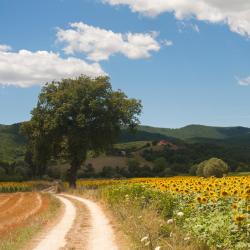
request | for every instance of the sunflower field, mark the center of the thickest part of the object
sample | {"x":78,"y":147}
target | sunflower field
{"x":11,"y":187}
{"x":213,"y":212}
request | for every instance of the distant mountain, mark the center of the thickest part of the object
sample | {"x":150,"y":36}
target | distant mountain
{"x":12,"y":143}
{"x":198,"y":131}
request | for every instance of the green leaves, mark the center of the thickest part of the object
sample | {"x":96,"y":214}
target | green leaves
{"x":77,"y":115}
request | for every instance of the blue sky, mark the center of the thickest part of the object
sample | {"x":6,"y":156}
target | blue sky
{"x":185,"y":66}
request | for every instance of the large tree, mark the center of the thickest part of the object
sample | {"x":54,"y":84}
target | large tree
{"x":74,"y":116}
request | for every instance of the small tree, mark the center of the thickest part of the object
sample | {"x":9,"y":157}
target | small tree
{"x":74,"y":116}
{"x":133,"y":166}
{"x":212,"y":167}
{"x":215,"y":167}
{"x":200,"y":168}
{"x":193,"y":169}
{"x":159,"y":165}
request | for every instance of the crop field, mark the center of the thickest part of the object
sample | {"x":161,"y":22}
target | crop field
{"x":212,"y":213}
{"x":11,"y":187}
{"x":16,"y":209}
{"x":157,"y":213}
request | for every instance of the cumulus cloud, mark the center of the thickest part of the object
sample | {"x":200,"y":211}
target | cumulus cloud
{"x":244,"y":81}
{"x":25,"y":68}
{"x":236,"y":14}
{"x":4,"y":48}
{"x":99,"y":44}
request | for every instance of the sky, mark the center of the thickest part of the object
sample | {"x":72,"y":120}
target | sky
{"x":188,"y":61}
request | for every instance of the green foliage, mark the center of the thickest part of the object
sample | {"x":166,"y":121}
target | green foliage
{"x":133,"y":165}
{"x":211,"y":224}
{"x":12,"y":143}
{"x":212,"y":167}
{"x":77,"y":115}
{"x":132,"y":146}
{"x":243,"y":167}
{"x":193,"y":169}
{"x":233,"y":148}
{"x":198,"y":131}
{"x":16,"y":171}
{"x":159,"y":165}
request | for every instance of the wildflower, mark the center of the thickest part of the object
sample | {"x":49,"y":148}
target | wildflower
{"x":144,"y":238}
{"x":187,"y":238}
{"x":180,"y":214}
{"x":234,"y":206}
{"x":239,"y":218}
{"x":158,"y":248}
{"x":199,"y":199}
{"x":170,"y":221}
{"x":204,"y":199}
{"x":224,"y":193}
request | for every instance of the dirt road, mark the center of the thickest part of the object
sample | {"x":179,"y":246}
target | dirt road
{"x":98,"y":233}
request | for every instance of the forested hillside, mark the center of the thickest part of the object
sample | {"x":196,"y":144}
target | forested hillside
{"x":12,"y":143}
{"x":232,"y":142}
{"x":198,"y":131}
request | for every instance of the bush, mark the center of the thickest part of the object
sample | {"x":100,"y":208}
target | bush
{"x":243,"y":168}
{"x":200,"y":167}
{"x":133,"y":166}
{"x":193,"y":169}
{"x":159,"y":165}
{"x":212,"y":167}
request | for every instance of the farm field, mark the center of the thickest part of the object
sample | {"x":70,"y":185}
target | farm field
{"x":22,"y":215}
{"x":153,"y":213}
{"x":17,"y":208}
{"x":180,"y":212}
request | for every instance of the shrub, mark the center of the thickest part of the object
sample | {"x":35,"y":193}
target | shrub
{"x":193,"y":169}
{"x":200,"y":167}
{"x":159,"y":165}
{"x":212,"y":167}
{"x":133,"y":166}
{"x":243,"y":168}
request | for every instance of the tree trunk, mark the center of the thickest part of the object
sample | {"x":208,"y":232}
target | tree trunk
{"x":72,"y":175}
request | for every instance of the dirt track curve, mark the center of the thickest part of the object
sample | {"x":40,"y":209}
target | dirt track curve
{"x":98,"y":234}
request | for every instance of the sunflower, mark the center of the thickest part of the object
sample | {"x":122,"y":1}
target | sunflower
{"x":239,"y":218}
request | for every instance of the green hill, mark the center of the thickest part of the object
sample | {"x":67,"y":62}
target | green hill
{"x":12,"y":143}
{"x":198,"y":131}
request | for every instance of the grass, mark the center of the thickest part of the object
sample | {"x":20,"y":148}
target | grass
{"x":135,"y":145}
{"x":143,"y":228}
{"x":239,"y":174}
{"x":19,"y":238}
{"x":179,"y":212}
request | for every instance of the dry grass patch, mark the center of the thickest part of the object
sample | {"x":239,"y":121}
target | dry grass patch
{"x":17,"y":236}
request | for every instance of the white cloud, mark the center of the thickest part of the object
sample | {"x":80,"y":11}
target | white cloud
{"x":182,"y":26}
{"x":167,"y":43}
{"x":234,"y":13}
{"x":4,"y":48}
{"x":195,"y":27}
{"x":99,"y":44}
{"x":244,"y":81}
{"x":26,"y":68}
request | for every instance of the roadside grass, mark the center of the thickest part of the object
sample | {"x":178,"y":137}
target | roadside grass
{"x":18,"y":238}
{"x":143,"y":228}
{"x":147,"y":229}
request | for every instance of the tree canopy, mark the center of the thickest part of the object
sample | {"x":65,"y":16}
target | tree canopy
{"x":212,"y":167}
{"x":73,"y":116}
